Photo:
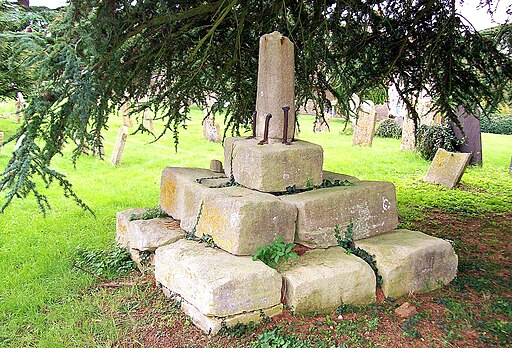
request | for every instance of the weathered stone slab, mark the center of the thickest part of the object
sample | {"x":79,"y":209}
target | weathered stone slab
{"x":370,"y":205}
{"x":241,"y":220}
{"x":365,"y":126}
{"x":332,"y":176}
{"x":122,"y":220}
{"x":117,"y":153}
{"x":272,"y":168}
{"x":181,"y":194}
{"x":148,"y":235}
{"x":470,"y":134}
{"x":276,"y":86}
{"x":214,"y":281}
{"x":212,"y":325}
{"x":447,"y":168}
{"x":411,"y":261}
{"x":408,"y":142}
{"x":321,"y":280}
{"x":216,"y":166}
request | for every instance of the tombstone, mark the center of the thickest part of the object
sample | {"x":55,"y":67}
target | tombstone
{"x":19,"y":106}
{"x":127,"y":119}
{"x":365,"y":126}
{"x":408,"y":142}
{"x":322,"y":125}
{"x":276,"y":87}
{"x":147,"y":122}
{"x":382,"y":112}
{"x":447,"y":168}
{"x":470,"y":135}
{"x":117,"y":153}
{"x":211,"y":129}
{"x":216,"y":166}
{"x":1,"y":141}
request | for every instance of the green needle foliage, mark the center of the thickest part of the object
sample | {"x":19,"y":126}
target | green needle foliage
{"x":171,"y":53}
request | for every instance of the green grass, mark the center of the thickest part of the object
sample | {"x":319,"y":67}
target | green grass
{"x":45,"y":302}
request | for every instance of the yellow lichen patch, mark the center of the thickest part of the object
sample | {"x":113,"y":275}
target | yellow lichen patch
{"x":215,"y":222}
{"x":168,"y":194}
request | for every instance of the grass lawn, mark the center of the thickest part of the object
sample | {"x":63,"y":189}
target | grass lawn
{"x":46,"y":302}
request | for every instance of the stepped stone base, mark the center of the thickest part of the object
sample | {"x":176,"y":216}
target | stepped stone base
{"x":273,"y":168}
{"x":181,"y":194}
{"x":321,"y":280}
{"x":122,"y":220}
{"x":215,"y":282}
{"x":411,"y":261}
{"x":370,"y":205}
{"x":212,"y":325}
{"x":241,"y":220}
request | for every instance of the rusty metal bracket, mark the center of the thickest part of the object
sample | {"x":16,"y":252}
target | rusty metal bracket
{"x":285,"y":141}
{"x":265,"y":133}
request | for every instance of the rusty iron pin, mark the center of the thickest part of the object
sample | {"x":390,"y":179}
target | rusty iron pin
{"x":285,"y":141}
{"x":265,"y":132}
{"x":253,"y":125}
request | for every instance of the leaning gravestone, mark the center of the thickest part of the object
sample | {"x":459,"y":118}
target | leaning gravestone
{"x":447,"y":168}
{"x":470,"y":134}
{"x":408,"y":142}
{"x":365,"y":126}
{"x":119,"y":146}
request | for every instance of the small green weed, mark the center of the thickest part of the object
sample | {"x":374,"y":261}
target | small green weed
{"x":276,"y":252}
{"x":275,"y":339}
{"x":109,"y":264}
{"x":152,"y":213}
{"x":237,"y":331}
{"x":206,"y":238}
{"x":409,"y":327}
{"x":348,"y":244}
{"x":290,"y":190}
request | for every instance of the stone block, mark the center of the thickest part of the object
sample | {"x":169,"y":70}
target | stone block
{"x":214,"y":281}
{"x":332,"y":176}
{"x":273,"y":168}
{"x":148,"y":235}
{"x":365,"y":126}
{"x":323,"y":279}
{"x":212,"y":325}
{"x":447,"y":168}
{"x":241,"y":220}
{"x":181,"y":194}
{"x":411,"y":261}
{"x":370,"y":205}
{"x":122,"y":220}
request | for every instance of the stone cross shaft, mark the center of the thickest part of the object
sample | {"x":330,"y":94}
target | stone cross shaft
{"x":276,"y":87}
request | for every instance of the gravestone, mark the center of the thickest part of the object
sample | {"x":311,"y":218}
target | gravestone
{"x":408,"y":142}
{"x":276,"y":87}
{"x":322,"y":125}
{"x":470,"y":135}
{"x":447,"y":168}
{"x":147,"y":122}
{"x":19,"y":106}
{"x":127,"y":119}
{"x":365,"y":126}
{"x":211,"y":129}
{"x":382,"y":112}
{"x":117,"y":153}
{"x":1,"y":141}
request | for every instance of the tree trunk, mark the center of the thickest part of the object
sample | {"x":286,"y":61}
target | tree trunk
{"x":24,"y":3}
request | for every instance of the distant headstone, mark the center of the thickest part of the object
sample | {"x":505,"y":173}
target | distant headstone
{"x":211,"y":129}
{"x":147,"y":122}
{"x":216,"y":166}
{"x":323,"y":125}
{"x":382,"y":111}
{"x":1,"y":140}
{"x":365,"y":126}
{"x":470,"y":134}
{"x":127,"y":119}
{"x":408,"y":142}
{"x":447,"y":168}
{"x":117,"y":153}
{"x":19,"y":106}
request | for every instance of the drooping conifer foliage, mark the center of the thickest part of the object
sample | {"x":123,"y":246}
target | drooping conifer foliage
{"x":171,"y":53}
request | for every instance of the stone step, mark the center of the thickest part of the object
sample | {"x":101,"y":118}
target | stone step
{"x":215,"y":282}
{"x":323,"y":279}
{"x":411,"y":261}
{"x":273,"y":168}
{"x":369,"y":205}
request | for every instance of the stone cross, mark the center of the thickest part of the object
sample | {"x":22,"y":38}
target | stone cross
{"x":365,"y":126}
{"x":276,"y":87}
{"x":470,"y":134}
{"x":119,"y":146}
